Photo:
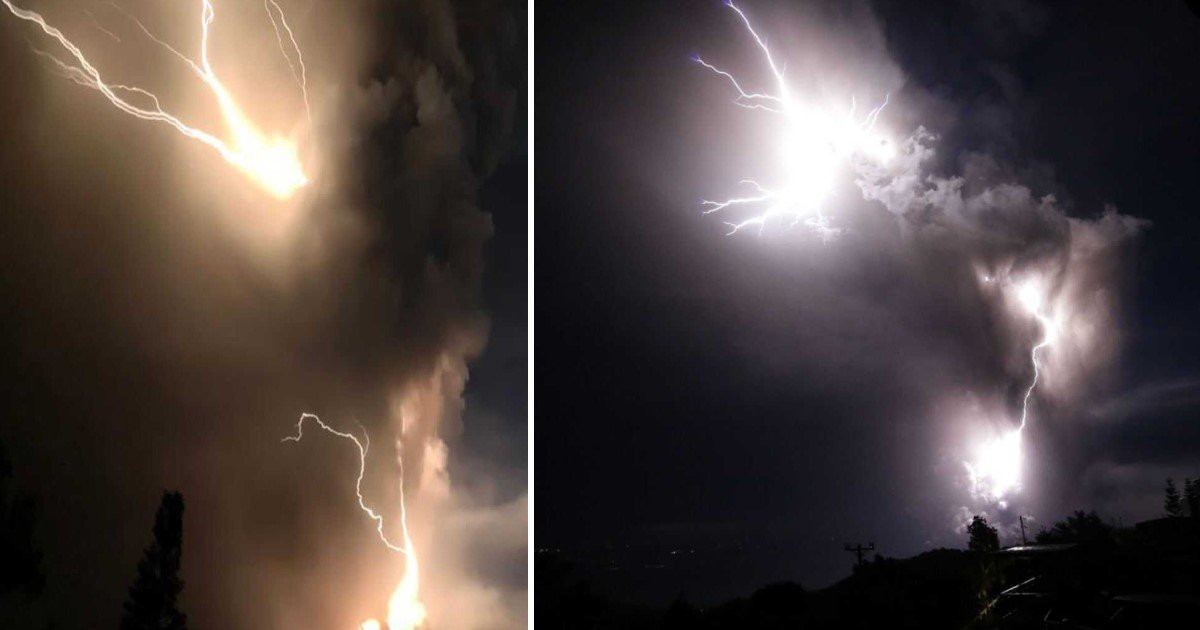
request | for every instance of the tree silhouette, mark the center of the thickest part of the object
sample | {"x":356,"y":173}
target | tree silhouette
{"x":151,"y":602}
{"x":1191,"y":496}
{"x":1172,"y":503}
{"x":983,"y":536}
{"x":1081,"y":527}
{"x":20,"y":561}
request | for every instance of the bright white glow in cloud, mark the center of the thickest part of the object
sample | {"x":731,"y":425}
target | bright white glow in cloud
{"x":816,"y":144}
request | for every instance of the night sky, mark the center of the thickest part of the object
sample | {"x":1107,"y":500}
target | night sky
{"x":753,"y":402}
{"x":163,"y":322}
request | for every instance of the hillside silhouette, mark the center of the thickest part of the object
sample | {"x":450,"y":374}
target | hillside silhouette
{"x":1080,"y":573}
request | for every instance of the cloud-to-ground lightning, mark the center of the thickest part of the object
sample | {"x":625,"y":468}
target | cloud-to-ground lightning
{"x":1033,"y":299}
{"x":405,"y":610}
{"x":815,"y":143}
{"x":272,"y":162}
{"x":996,"y":470}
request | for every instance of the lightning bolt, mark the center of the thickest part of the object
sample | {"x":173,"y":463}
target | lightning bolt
{"x":815,"y":143}
{"x":363,"y":446}
{"x":1032,"y":296}
{"x":1047,"y":325}
{"x":302,"y":77}
{"x":270,"y":162}
{"x":405,"y":610}
{"x":100,"y":28}
{"x":996,"y":469}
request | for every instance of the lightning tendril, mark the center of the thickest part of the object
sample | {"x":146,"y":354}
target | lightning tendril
{"x":302,"y":77}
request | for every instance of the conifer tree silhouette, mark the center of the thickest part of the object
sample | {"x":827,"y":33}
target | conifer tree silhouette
{"x":1191,"y":496}
{"x":151,"y":604}
{"x":1172,"y":503}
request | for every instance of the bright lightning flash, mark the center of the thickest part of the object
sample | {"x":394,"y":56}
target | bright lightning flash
{"x":405,"y":610}
{"x":996,"y":470}
{"x":814,"y":145}
{"x":271,"y":162}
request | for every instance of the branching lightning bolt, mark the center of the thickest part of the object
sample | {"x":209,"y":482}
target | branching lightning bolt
{"x":814,"y":143}
{"x":272,"y":162}
{"x":405,"y":610}
{"x":154,"y":38}
{"x":363,"y":446}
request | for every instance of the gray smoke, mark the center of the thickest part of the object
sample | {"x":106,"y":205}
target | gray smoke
{"x":983,"y":231}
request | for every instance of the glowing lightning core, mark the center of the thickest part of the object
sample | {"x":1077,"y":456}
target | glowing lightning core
{"x":271,"y":162}
{"x":815,"y":143}
{"x":405,"y":610}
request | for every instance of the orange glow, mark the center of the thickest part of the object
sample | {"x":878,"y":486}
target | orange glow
{"x":271,"y":162}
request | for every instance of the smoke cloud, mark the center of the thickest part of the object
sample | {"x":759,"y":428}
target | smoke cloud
{"x":934,"y":255}
{"x":986,"y":231}
{"x":178,"y":322}
{"x":919,"y":295}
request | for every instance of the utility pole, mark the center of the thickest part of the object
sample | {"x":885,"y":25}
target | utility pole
{"x":859,"y":548}
{"x":1023,"y":541}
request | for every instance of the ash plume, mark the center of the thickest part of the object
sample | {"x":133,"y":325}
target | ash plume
{"x":360,"y":299}
{"x":1000,"y":299}
{"x":985,"y":228}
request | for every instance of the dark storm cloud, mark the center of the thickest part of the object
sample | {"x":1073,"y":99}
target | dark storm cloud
{"x":165,"y":326}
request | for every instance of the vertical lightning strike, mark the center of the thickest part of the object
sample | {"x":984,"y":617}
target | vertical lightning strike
{"x":1046,"y":334}
{"x":405,"y":610}
{"x":997,"y":468}
{"x":1031,"y":296}
{"x":271,"y":162}
{"x":814,"y":144}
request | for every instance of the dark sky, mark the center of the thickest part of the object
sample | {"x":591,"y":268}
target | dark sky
{"x":763,"y":399}
{"x":163,"y":323}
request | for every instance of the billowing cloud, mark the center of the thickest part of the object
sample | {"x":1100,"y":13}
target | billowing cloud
{"x":961,"y":257}
{"x":360,"y":299}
